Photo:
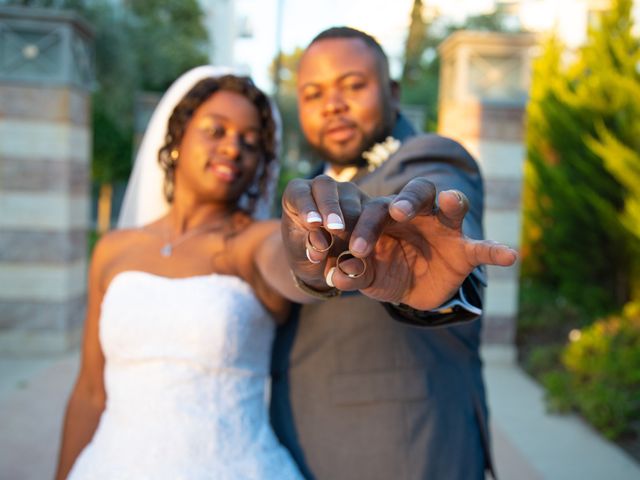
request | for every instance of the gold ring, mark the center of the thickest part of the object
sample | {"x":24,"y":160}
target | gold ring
{"x":319,"y":250}
{"x":351,"y":275}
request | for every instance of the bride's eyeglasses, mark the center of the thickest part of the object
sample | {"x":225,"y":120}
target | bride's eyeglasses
{"x":250,"y":141}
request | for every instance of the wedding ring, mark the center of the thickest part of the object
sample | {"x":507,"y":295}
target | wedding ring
{"x":306,"y":251}
{"x":319,"y":250}
{"x":349,"y":256}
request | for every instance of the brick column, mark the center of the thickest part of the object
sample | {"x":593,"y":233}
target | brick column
{"x":45,"y":150}
{"x":484,"y":85}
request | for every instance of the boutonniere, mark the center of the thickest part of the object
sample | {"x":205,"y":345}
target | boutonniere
{"x":380,"y":152}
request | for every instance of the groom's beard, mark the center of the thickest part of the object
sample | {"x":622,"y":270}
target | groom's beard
{"x":352,"y":157}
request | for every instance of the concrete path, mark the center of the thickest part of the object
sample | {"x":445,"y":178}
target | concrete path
{"x":33,"y":396}
{"x":529,"y":444}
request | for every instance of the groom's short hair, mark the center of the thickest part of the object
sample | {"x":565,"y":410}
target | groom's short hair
{"x":348,"y":32}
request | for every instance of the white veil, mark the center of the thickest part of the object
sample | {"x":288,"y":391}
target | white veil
{"x":144,"y":200}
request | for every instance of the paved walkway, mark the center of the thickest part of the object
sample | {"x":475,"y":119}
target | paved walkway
{"x":529,"y":444}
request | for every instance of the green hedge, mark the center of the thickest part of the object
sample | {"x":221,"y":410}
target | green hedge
{"x":600,"y":374}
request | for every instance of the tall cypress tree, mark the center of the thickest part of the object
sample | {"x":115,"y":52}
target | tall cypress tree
{"x":415,"y":44}
{"x":575,"y":236}
{"x":614,"y":49}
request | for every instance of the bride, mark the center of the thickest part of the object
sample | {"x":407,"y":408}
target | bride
{"x":181,"y":305}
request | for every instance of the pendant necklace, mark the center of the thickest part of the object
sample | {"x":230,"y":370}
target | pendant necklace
{"x":167,"y":248}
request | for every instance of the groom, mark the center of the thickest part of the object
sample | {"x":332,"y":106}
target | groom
{"x":365,"y":388}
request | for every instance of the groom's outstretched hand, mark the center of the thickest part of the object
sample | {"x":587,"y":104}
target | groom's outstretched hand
{"x":407,"y":248}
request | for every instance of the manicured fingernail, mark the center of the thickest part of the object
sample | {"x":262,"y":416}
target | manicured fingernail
{"x":334,"y":222}
{"x":404,"y":206}
{"x":309,"y":257}
{"x":457,"y":194}
{"x":359,"y":245}
{"x":314,"y":217}
{"x":329,"y":278}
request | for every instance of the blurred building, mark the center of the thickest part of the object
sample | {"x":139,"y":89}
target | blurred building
{"x":220,"y":21}
{"x":231,"y":32}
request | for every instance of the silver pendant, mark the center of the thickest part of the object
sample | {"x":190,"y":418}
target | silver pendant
{"x":167,"y":250}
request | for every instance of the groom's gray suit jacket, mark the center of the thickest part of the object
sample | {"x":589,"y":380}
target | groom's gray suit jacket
{"x":357,"y":394}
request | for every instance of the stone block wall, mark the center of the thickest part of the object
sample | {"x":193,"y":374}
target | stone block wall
{"x":44,"y":200}
{"x":45,"y":151}
{"x":484,"y":84}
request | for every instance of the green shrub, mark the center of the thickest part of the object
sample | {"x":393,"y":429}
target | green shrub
{"x":543,"y":309}
{"x":601,"y":374}
{"x":543,"y":359}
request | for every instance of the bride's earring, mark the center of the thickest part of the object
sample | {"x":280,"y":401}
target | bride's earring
{"x":169,"y":164}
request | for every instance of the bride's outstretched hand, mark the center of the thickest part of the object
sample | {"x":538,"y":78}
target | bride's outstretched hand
{"x":408,"y":248}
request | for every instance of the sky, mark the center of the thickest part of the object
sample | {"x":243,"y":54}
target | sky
{"x":386,"y":20}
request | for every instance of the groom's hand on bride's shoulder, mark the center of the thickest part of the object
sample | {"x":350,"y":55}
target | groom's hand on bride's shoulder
{"x":408,"y":248}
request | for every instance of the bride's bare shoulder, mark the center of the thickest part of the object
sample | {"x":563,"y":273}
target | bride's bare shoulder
{"x":117,"y":240}
{"x":113,"y":246}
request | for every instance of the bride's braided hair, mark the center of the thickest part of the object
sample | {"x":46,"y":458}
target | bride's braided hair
{"x":189,"y":104}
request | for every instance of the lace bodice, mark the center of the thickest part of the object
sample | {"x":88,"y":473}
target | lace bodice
{"x":186,"y":376}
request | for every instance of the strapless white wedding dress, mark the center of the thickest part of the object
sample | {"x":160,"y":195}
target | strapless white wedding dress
{"x":186,"y":376}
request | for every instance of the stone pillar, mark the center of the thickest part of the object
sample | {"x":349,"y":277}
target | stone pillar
{"x":46,"y":71}
{"x":484,"y":82}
